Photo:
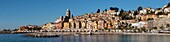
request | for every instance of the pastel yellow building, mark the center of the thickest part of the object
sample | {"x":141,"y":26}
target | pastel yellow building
{"x":66,"y":25}
{"x":83,"y":24}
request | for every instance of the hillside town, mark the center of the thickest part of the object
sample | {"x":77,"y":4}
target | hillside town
{"x":151,"y":20}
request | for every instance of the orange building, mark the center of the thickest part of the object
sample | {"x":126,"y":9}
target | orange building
{"x":145,"y":17}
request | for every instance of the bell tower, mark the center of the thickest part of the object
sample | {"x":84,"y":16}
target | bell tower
{"x":68,"y":13}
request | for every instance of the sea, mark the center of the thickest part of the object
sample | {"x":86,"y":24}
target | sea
{"x":86,"y":38}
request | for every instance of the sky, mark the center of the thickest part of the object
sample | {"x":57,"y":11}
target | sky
{"x":16,"y":13}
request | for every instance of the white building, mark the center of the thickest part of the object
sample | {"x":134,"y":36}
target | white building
{"x":139,"y":24}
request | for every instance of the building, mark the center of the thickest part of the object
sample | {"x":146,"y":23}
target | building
{"x":150,"y":24}
{"x":101,"y":24}
{"x":146,"y":17}
{"x":139,"y":24}
{"x":83,"y":24}
{"x":105,"y":25}
{"x":111,"y":12}
{"x":68,"y":12}
{"x":168,"y":15}
{"x":112,"y":24}
{"x":163,"y":16}
{"x":59,"y":25}
{"x":72,"y":25}
{"x":78,"y":24}
{"x":49,"y":26}
{"x":108,"y":24}
{"x":66,"y":25}
{"x":67,"y":17}
{"x":89,"y":23}
{"x":117,"y":23}
{"x":70,"y":20}
{"x":94,"y":25}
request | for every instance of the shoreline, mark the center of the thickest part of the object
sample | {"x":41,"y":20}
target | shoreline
{"x":89,"y":33}
{"x":145,"y":34}
{"x":101,"y":33}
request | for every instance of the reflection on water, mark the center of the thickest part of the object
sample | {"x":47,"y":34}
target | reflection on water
{"x":86,"y":38}
{"x":116,"y":38}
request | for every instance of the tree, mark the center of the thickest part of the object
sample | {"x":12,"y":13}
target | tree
{"x":121,"y":12}
{"x":126,"y":17}
{"x":129,"y":11}
{"x":160,"y":13}
{"x":15,"y":30}
{"x":112,"y":8}
{"x":98,"y":11}
{"x":154,"y":27}
{"x":8,"y":30}
{"x":116,"y":9}
{"x":135,"y":13}
{"x":139,"y":8}
{"x":4,"y":30}
{"x":105,"y":10}
{"x":158,"y":9}
{"x":72,"y":16}
{"x":168,"y":5}
{"x":143,"y":29}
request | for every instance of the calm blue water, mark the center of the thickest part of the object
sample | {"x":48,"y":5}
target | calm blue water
{"x":86,"y":38}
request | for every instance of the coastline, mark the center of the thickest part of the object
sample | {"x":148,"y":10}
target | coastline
{"x":96,"y":33}
{"x":145,"y":34}
{"x":85,"y":33}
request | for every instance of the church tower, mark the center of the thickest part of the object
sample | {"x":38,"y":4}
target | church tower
{"x":68,"y":13}
{"x":67,"y":17}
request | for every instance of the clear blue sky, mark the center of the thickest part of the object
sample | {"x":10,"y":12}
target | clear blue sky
{"x":15,"y":13}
